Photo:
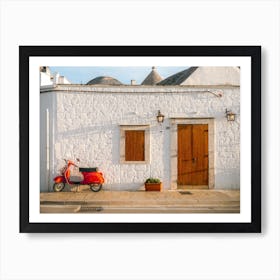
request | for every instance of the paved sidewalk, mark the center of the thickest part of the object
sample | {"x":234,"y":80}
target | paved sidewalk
{"x":184,"y":201}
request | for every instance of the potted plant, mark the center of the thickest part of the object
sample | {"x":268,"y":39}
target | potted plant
{"x":153,"y":184}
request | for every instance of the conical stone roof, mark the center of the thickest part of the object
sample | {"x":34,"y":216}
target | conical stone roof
{"x":178,"y":78}
{"x":152,"y":79}
{"x":104,"y":80}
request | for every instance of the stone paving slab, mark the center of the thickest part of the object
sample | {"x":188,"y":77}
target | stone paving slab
{"x":193,"y":194}
{"x":195,"y":201}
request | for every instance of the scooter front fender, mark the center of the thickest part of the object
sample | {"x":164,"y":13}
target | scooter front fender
{"x":59,"y":179}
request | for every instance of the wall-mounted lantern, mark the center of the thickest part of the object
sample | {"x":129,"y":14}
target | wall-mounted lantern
{"x":160,"y":117}
{"x":230,"y":115}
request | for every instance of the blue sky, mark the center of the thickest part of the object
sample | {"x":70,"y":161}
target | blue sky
{"x":78,"y":75}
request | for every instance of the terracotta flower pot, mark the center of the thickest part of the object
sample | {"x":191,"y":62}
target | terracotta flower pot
{"x":153,"y":187}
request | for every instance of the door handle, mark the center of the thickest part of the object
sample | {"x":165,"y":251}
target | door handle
{"x":194,"y":160}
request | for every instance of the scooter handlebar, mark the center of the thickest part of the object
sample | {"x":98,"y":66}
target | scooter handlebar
{"x":70,"y":161}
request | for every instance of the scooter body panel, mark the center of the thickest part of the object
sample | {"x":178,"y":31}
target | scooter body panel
{"x":92,"y":178}
{"x":59,"y":179}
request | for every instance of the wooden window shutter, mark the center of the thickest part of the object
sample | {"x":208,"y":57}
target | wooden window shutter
{"x":134,"y":145}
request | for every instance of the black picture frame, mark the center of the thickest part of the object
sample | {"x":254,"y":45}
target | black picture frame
{"x":254,"y":52}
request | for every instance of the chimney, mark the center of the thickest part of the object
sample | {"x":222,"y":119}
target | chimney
{"x":133,"y":82}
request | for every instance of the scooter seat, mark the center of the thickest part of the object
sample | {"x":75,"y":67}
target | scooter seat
{"x":88,"y":169}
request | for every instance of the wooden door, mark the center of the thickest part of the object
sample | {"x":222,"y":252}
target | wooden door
{"x":193,"y":154}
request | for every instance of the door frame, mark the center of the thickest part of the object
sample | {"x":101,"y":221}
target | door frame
{"x":174,"y":148}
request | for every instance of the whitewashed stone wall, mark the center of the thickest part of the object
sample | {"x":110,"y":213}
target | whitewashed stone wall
{"x":45,"y":79}
{"x":87,"y":123}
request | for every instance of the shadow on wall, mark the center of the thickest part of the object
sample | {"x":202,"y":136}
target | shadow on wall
{"x":228,"y":180}
{"x":166,"y":156}
{"x":98,"y":129}
{"x":115,"y":145}
{"x":124,"y":187}
{"x":111,"y":130}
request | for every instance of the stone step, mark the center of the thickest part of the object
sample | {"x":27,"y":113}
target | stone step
{"x":158,"y":210}
{"x":144,"y":203}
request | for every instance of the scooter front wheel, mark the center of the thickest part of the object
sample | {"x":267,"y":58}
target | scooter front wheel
{"x":95,"y":187}
{"x":58,"y":187}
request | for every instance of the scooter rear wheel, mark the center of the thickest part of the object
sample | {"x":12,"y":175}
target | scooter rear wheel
{"x":95,"y":187}
{"x":58,"y":187}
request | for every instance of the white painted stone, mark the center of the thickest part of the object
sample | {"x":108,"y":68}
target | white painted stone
{"x":84,"y":123}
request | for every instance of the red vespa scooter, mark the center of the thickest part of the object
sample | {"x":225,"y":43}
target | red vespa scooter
{"x":91,"y":177}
